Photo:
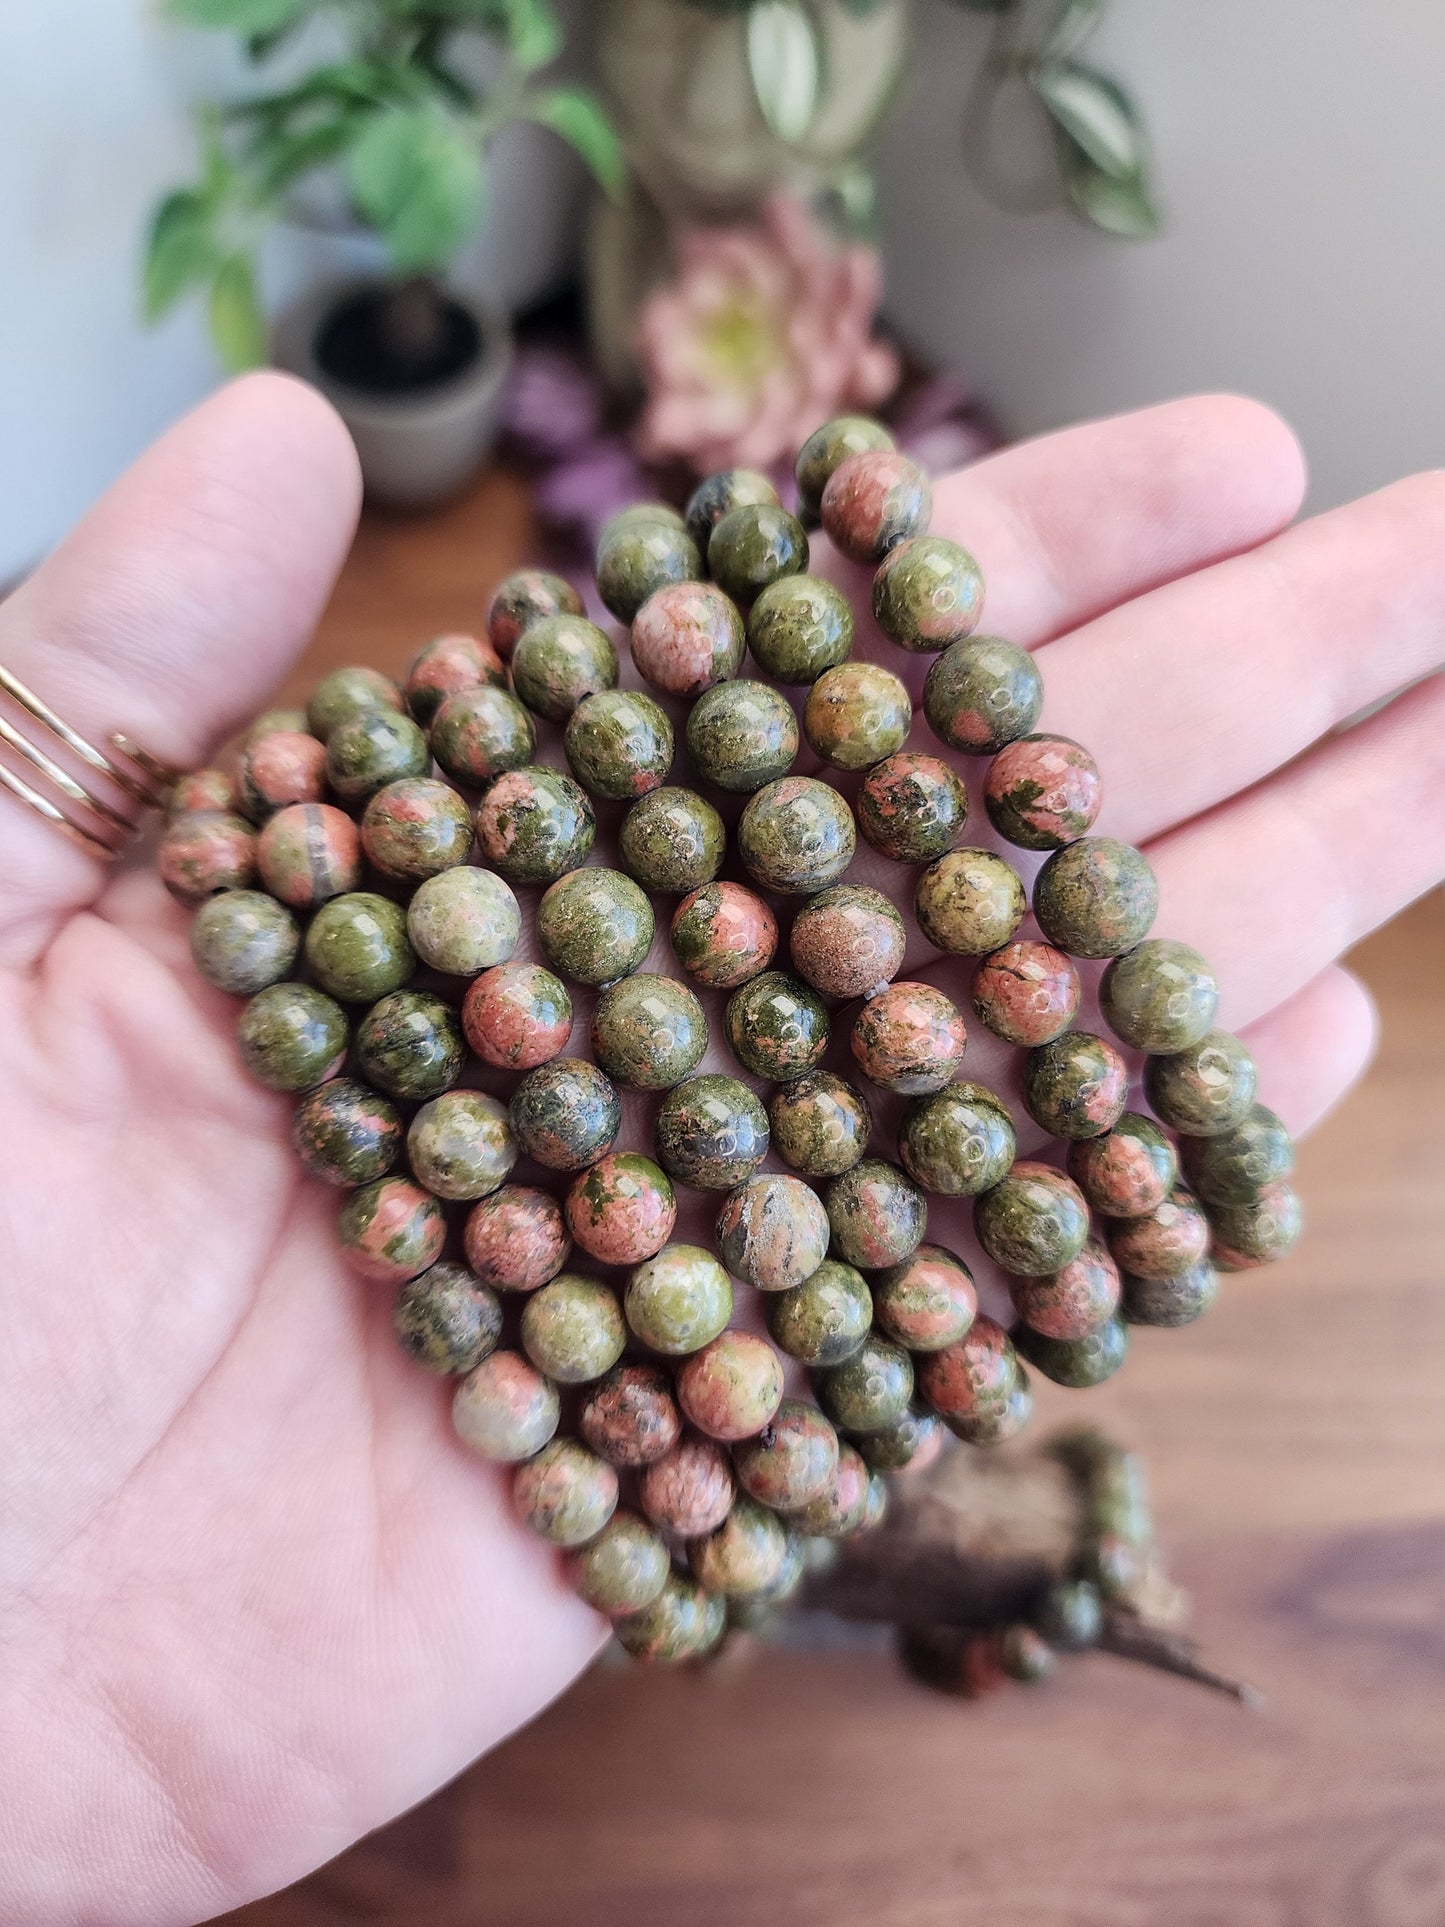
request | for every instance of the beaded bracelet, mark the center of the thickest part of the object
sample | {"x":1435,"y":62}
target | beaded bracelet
{"x":335,"y":889}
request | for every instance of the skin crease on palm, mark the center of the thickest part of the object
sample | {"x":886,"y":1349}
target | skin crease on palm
{"x":254,"y":1598}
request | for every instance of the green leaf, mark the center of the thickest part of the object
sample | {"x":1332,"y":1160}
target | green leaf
{"x":1076,"y":21}
{"x":1120,"y":205}
{"x":249,"y":17}
{"x":534,"y":35}
{"x":237,"y":326}
{"x":581,"y":120}
{"x":1096,"y":114}
{"x":785,"y":61}
{"x":286,"y":157}
{"x":416,"y":174}
{"x":180,"y":252}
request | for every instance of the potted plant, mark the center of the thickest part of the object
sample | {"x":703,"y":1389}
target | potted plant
{"x":381,"y":112}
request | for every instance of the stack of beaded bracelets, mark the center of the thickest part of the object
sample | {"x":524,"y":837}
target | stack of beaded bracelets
{"x":686,"y":1486}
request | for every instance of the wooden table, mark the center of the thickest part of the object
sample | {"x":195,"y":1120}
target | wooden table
{"x":1297,"y":1446}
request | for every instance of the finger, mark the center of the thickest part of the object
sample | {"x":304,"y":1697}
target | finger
{"x":175,"y":605}
{"x":1203,"y":687}
{"x":1314,"y":1047}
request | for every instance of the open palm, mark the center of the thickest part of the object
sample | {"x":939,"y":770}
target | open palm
{"x":254,"y":1599}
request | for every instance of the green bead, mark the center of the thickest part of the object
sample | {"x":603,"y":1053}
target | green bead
{"x":619,"y":744}
{"x":871,"y":1389}
{"x":1205,"y":1090}
{"x":346,"y":1134}
{"x":723,"y":934}
{"x":716,"y":495}
{"x":638,"y":554}
{"x":773,"y":1232}
{"x":446,"y":1320}
{"x":823,"y":1320}
{"x":1033,"y":1221}
{"x":644,"y":512}
{"x":573,"y":1329}
{"x":742,"y":735}
{"x":460,"y":1145}
{"x":534,"y":825}
{"x":566,"y":1494}
{"x":357,"y":947}
{"x":416,"y":828}
{"x":524,"y":597}
{"x":1077,"y":1362}
{"x":1075,"y":1086}
{"x":820,"y":1123}
{"x":410,"y":1045}
{"x":649,"y":1032}
{"x":683,"y":1622}
{"x":1096,"y":897}
{"x":594,"y":925}
{"x":912,"y":808}
{"x":291,"y":1037}
{"x":464,"y":921}
{"x":679,"y":1301}
{"x":1236,"y":1166}
{"x":826,"y":449}
{"x":673,"y":840}
{"x":1160,"y":996}
{"x":1250,"y":1234}
{"x":857,"y":714}
{"x":479,"y":733}
{"x":505,"y":1410}
{"x":390,"y":1230}
{"x":777,"y":1027}
{"x":969,"y":902}
{"x":799,"y":628}
{"x":364,"y":753}
{"x":1171,"y":1302}
{"x":796,"y":836}
{"x":927,"y":593}
{"x":897,"y":1446}
{"x":243,"y":940}
{"x":559,"y":661}
{"x":746,"y":1553}
{"x":957,"y":1142}
{"x":753,"y":546}
{"x":624,"y":1568}
{"x":710,"y":1132}
{"x":338,"y":697}
{"x":877,"y":1213}
{"x":566,"y":1114}
{"x":271,"y":722}
{"x":982,"y":694}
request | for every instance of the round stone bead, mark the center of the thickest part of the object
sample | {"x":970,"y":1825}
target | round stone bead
{"x":1159,"y":997}
{"x":686,"y":638}
{"x":504,"y":1409}
{"x":969,"y":902}
{"x":207,"y":791}
{"x":446,"y":1321}
{"x":717,"y":495}
{"x":267,"y":723}
{"x":517,"y":1016}
{"x":1027,"y":993}
{"x":460,"y":1145}
{"x":689,"y":1490}
{"x":857,"y":714}
{"x":731,"y":1388}
{"x":639,"y":556}
{"x":390,"y":1230}
{"x":823,"y":1320}
{"x":825,"y":449}
{"x":410,"y":1045}
{"x":957,"y":1142}
{"x":912,"y":1445}
{"x":622,"y":1209}
{"x":792,"y":1460}
{"x":1234,"y":1167}
{"x":566,"y":1114}
{"x":773,"y":1232}
{"x":534,"y":825}
{"x":572,"y":1329}
{"x":848,"y":941}
{"x":912,"y":808}
{"x":619,"y":744}
{"x":928,"y":1301}
{"x":309,"y":853}
{"x":444,"y":666}
{"x":673,"y":840}
{"x":524,"y":597}
{"x":799,"y":628}
{"x":745,"y":1555}
{"x":996,"y":1424}
{"x":1077,"y":1086}
{"x":463,"y":920}
{"x":927,"y":593}
{"x":291,"y":1037}
{"x":566,"y":1494}
{"x":243,"y":940}
{"x":683,"y":1622}
{"x":910,"y":1038}
{"x":1205,"y":1090}
{"x":1077,"y":1362}
{"x":796,"y":836}
{"x":1096,"y":897}
{"x":559,"y":661}
{"x":722,"y":935}
{"x":983,"y":694}
{"x":1246,"y":1235}
{"x":1171,"y":1302}
{"x":742,"y":735}
{"x":594,"y":925}
{"x":346,"y":693}
{"x":624,"y":1568}
{"x":1127,"y":1171}
{"x":1163,"y":1242}
{"x":1042,"y":791}
{"x":357,"y":947}
{"x":286,"y":767}
{"x":753,"y":546}
{"x":648,"y":1032}
{"x":1033,"y":1221}
{"x":873,"y":501}
{"x":515,"y":1238}
{"x":416,"y":829}
{"x":644,"y":511}
{"x":820,"y":1124}
{"x":479,"y":733}
{"x":777,"y":1027}
{"x":1073,"y":1301}
{"x":844,"y":1507}
{"x":630,"y":1417}
{"x":877,"y":1213}
{"x":679,"y":1300}
{"x":710,"y":1132}
{"x":206,"y":852}
{"x":870,"y":1390}
{"x":346,"y":1134}
{"x":972,"y":1378}
{"x":366,"y":752}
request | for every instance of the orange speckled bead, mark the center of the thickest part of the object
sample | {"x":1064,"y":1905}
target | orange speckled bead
{"x":793,"y":1459}
{"x":622,"y":1210}
{"x":391,"y":1230}
{"x":1042,"y":791}
{"x":732,"y":1387}
{"x":723,"y":935}
{"x":873,"y":501}
{"x":1163,"y":1242}
{"x":630,"y":1417}
{"x":516,"y":1238}
{"x":843,"y":1508}
{"x":1072,"y":1302}
{"x":517,"y":1016}
{"x":1127,"y":1171}
{"x":689,"y":1490}
{"x":1027,"y":993}
{"x":973,"y":1376}
{"x":928,"y":1302}
{"x":308,"y":853}
{"x":848,"y":941}
{"x":524,"y":597}
{"x":288,"y":767}
{"x":686,"y":637}
{"x":909,"y":1038}
{"x":444,"y":666}
{"x":205,"y":852}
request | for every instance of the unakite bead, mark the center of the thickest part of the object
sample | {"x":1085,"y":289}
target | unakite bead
{"x":573,"y":1329}
{"x":416,"y":828}
{"x":673,"y":840}
{"x":928,"y":1301}
{"x":746,"y":1553}
{"x":1033,"y":1221}
{"x":1073,"y":1301}
{"x":479,"y":733}
{"x":1163,"y":1242}
{"x":566,"y":1113}
{"x":364,"y":753}
{"x":345,"y":1133}
{"x":243,"y":940}
{"x":1077,"y":1086}
{"x":559,"y":661}
{"x":624,"y":1568}
{"x":969,"y":902}
{"x":1171,"y":1302}
{"x":873,"y":501}
{"x":773,"y":1232}
{"x":679,"y":1301}
{"x":286,"y":767}
{"x":445,"y":665}
{"x":825,"y":1319}
{"x":910,"y":1038}
{"x":848,"y":941}
{"x":927,"y":593}
{"x":639,"y":555}
{"x":1246,"y":1235}
{"x":967,"y":1381}
{"x":623,"y":518}
{"x":535,"y":824}
{"x":871,"y":1389}
{"x":357,"y":947}
{"x":206,"y":852}
{"x":732,"y":1387}
{"x":649,"y":1032}
{"x":504,"y":1409}
{"x":390,"y":1230}
{"x":1128,"y":1170}
{"x":796,"y":836}
{"x":460,"y":1145}
{"x":463,"y":921}
{"x":826,"y":448}
{"x":621,"y":1209}
{"x":308,"y":853}
{"x":742,"y":735}
{"x":683,"y":1622}
{"x":820,"y":1123}
{"x":271,"y":720}
{"x":346,"y":693}
{"x":517,"y":1016}
{"x":777,"y":1027}
{"x":291,"y":1037}
{"x":515,"y":1238}
{"x":877,"y":1213}
{"x":524,"y":597}
{"x":996,"y":1424}
{"x":689,"y":1490}
{"x":1042,"y":791}
{"x":753,"y":546}
{"x":1236,"y":1166}
{"x":717,"y":495}
{"x":982,"y":694}
{"x":1027,"y":993}
{"x":619,"y":744}
{"x":911,"y":1444}
{"x":1161,"y":996}
{"x":957,"y":1142}
{"x":566,"y":1494}
{"x":686,"y":638}
{"x":723,"y":934}
{"x":710,"y":1132}
{"x":799,"y":628}
{"x":857,"y":714}
{"x":207,"y":790}
{"x":1096,"y":897}
{"x":1077,"y":1362}
{"x":792,"y":1460}
{"x":912,"y":808}
{"x":844,"y":1507}
{"x":630,"y":1417}
{"x":594,"y":925}
{"x":1204,"y":1090}
{"x":410,"y":1045}
{"x":446,"y":1320}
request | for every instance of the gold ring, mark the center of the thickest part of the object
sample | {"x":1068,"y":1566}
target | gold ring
{"x":103,"y":829}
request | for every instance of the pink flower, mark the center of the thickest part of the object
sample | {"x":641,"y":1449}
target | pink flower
{"x":766,"y":331}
